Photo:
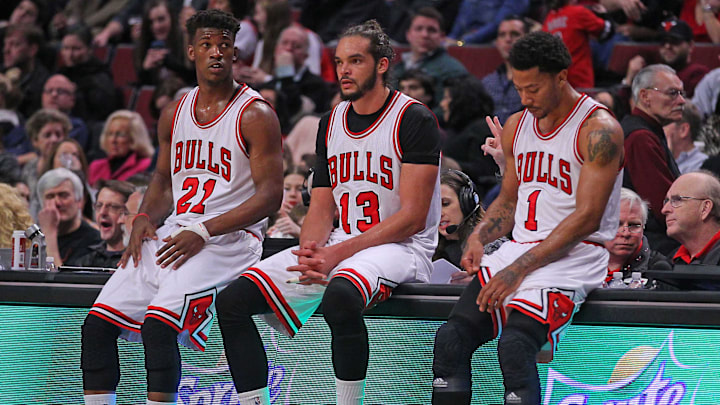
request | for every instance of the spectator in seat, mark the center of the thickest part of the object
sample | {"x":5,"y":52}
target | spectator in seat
{"x":21,"y":46}
{"x":284,"y":225}
{"x":659,"y":100}
{"x":68,"y":237}
{"x":681,"y":136}
{"x":96,"y":95}
{"x":703,"y":16}
{"x":126,"y":142}
{"x":160,"y":51}
{"x":418,"y":85}
{"x":69,"y":154}
{"x":110,"y":210}
{"x":464,"y":107}
{"x":499,"y":84}
{"x":427,"y":53}
{"x":94,"y":14}
{"x":707,"y":94}
{"x":575,"y":25}
{"x":630,"y":251}
{"x":477,"y":21}
{"x":247,"y":37}
{"x":14,"y":215}
{"x":692,"y":212}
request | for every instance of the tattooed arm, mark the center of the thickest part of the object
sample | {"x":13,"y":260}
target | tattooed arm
{"x":500,"y":217}
{"x":601,"y":140}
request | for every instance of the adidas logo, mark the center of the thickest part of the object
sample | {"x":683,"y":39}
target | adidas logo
{"x":512,"y":398}
{"x":257,"y":401}
{"x":440,"y":383}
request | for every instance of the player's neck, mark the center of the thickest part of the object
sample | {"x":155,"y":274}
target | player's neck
{"x":568,"y":99}
{"x":372,"y":101}
{"x":210,"y":93}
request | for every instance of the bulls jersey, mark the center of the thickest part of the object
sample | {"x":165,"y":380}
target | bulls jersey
{"x":548,"y":169}
{"x":363,"y":168}
{"x":210,"y":163}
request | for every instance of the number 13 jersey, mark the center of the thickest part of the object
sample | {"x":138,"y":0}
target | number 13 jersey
{"x":548,"y":170}
{"x":210,"y":163}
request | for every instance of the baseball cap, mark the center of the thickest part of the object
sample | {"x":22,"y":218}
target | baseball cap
{"x":674,"y":30}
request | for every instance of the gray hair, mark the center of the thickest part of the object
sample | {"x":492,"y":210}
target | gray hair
{"x":712,"y":192}
{"x":53,"y":178}
{"x":633,"y":198}
{"x":646,"y":76}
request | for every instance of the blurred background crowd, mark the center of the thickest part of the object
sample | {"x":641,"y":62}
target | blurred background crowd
{"x":83,"y":82}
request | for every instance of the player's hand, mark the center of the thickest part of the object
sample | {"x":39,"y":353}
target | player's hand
{"x":493,"y":294}
{"x":142,"y":229}
{"x":314,"y":262}
{"x":179,"y":248}
{"x":472,"y":254}
{"x":493,"y":146}
{"x":460,"y":278}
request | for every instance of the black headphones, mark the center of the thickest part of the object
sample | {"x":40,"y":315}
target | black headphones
{"x":468,"y":195}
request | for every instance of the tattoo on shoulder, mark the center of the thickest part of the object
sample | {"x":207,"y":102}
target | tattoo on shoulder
{"x":601,"y":147}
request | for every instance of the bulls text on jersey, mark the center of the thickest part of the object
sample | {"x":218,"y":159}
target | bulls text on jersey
{"x":196,"y":154}
{"x":350,"y":166}
{"x":541,"y":167}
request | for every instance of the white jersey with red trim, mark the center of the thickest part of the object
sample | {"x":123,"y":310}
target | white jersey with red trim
{"x":548,"y":170}
{"x":209,"y":161}
{"x":364,"y":173}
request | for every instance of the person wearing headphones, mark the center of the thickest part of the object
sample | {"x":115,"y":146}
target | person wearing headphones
{"x":461,"y":211}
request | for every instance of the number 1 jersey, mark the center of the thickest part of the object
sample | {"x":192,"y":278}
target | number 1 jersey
{"x":209,"y":161}
{"x":548,"y":170}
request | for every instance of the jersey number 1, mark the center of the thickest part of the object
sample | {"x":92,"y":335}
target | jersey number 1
{"x":368,"y":200}
{"x":531,"y":222}
{"x":192,"y":184}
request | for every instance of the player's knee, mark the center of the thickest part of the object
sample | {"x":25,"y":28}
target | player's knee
{"x":517,"y":350}
{"x":452,"y":351}
{"x":99,"y":357}
{"x":240,"y":299}
{"x":342,"y":303}
{"x":162,"y":357}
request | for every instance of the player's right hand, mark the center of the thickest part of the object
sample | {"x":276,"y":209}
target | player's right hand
{"x":473,"y":253}
{"x":141,"y":229}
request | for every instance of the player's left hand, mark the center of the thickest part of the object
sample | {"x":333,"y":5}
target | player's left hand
{"x":502,"y":284}
{"x":315,"y":263}
{"x":179,"y":249}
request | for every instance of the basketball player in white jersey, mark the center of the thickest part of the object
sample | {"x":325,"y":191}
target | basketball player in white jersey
{"x":219,"y":174}
{"x":560,"y":198}
{"x":377,"y":166}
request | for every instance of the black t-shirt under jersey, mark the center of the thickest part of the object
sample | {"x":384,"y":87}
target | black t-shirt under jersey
{"x":418,"y":133}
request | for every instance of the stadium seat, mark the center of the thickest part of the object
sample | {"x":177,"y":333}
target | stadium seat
{"x":479,"y":60}
{"x":142,"y":106}
{"x":102,"y":53}
{"x":706,"y":54}
{"x":122,"y":67}
{"x":624,"y":51}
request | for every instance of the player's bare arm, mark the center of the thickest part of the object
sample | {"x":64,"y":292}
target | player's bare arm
{"x":601,"y":140}
{"x":500,"y":216}
{"x":158,"y":199}
{"x":417,"y":182}
{"x":261,"y":129}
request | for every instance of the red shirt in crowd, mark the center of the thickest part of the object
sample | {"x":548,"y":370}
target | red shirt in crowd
{"x":574,"y":25}
{"x":687,"y":14}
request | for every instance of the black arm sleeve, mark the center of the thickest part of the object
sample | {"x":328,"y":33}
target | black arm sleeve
{"x":419,"y":136}
{"x":321,"y":175}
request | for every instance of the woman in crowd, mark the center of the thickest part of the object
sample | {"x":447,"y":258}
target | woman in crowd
{"x":126,"y":142}
{"x":465,"y":105}
{"x":45,"y":129}
{"x":287,"y":223}
{"x":160,"y":52}
{"x":95,"y":97}
{"x":14,"y":215}
{"x":461,"y":210}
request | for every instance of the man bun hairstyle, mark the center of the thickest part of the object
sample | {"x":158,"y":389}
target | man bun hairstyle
{"x":212,"y":19}
{"x":380,"y":46}
{"x":540,"y":49}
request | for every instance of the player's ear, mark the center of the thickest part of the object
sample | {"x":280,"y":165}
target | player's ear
{"x":562,"y":76}
{"x":191,"y":53}
{"x":383,"y":65}
{"x":236,"y":54}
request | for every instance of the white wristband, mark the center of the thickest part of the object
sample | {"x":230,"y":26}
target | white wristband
{"x":198,"y":228}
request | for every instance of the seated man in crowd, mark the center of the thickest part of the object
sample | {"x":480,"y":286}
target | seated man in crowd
{"x":68,"y":237}
{"x":630,"y":250}
{"x":692,"y":214}
{"x":110,"y":210}
{"x":418,"y":85}
{"x":681,"y":136}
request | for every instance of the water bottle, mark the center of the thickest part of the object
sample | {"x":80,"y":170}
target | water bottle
{"x":617,"y":281}
{"x":50,"y":264}
{"x":636,"y":281}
